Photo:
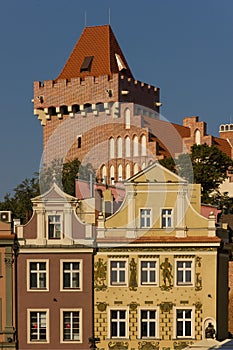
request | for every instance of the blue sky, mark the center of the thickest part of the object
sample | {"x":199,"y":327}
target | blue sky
{"x":184,"y":47}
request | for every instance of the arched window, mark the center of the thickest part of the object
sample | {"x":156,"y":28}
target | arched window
{"x":112,"y":171}
{"x":197,"y":137}
{"x":127,"y":118}
{"x":143,"y":165}
{"x":127,"y":171}
{"x":127,"y":146}
{"x":135,"y":146}
{"x":143,"y":145}
{"x":119,"y":147}
{"x":104,"y":173}
{"x":135,"y":168}
{"x":120,"y":172}
{"x":111,"y":148}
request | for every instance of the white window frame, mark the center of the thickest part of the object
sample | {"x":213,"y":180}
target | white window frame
{"x":156,"y":322}
{"x":135,"y":146}
{"x":71,"y":289}
{"x":127,"y":118}
{"x":143,"y":146}
{"x":38,"y":289}
{"x":127,"y":147}
{"x":80,"y":340}
{"x":118,"y":269}
{"x":184,"y":269}
{"x":29,"y":341}
{"x":112,"y":174}
{"x":127,"y":171}
{"x":148,"y":269}
{"x":135,"y":169}
{"x":192,"y":322}
{"x":119,"y":147}
{"x":104,"y":172}
{"x":55,"y":213}
{"x":166,"y":217}
{"x":111,"y":148}
{"x":126,"y":309}
{"x":145,"y":217}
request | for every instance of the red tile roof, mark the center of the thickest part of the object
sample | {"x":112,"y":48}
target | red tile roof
{"x":161,"y":239}
{"x":223,"y":145}
{"x":169,"y":136}
{"x":99,"y":42}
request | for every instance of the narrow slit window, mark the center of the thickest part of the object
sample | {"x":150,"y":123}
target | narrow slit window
{"x":79,"y":141}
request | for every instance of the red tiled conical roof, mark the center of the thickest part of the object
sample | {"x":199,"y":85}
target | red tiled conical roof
{"x":100,"y":43}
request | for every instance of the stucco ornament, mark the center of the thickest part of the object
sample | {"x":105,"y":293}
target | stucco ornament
{"x":118,"y":345}
{"x":198,"y":280}
{"x":101,"y":306}
{"x":133,"y":275}
{"x":166,"y":306}
{"x":198,"y":305}
{"x":100,"y":275}
{"x":166,"y":268}
{"x":133,"y":306}
{"x":148,"y":345}
{"x":180,"y":345}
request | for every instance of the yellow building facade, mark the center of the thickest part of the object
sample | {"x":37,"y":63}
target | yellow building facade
{"x":155,"y":268}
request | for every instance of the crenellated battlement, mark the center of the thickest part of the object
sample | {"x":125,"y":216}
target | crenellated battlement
{"x":94,"y":90}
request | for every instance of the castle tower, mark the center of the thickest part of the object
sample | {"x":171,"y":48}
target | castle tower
{"x":80,"y":109}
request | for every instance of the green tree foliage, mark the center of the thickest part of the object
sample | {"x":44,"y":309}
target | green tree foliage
{"x":169,"y":163}
{"x":19,"y":203}
{"x":205,"y":165}
{"x":210,"y":167}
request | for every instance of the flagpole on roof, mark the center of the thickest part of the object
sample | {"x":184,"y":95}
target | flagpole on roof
{"x":85,"y":18}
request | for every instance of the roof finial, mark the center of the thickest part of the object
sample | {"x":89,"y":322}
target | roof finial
{"x":54,"y":176}
{"x":109,"y":16}
{"x":85,"y":18}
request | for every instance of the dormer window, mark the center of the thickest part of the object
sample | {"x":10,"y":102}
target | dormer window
{"x":86,"y":65}
{"x":54,"y":226}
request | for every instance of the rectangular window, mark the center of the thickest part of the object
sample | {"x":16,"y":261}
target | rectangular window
{"x":166,"y":216}
{"x":118,"y":323}
{"x":38,"y":274}
{"x":118,"y":272}
{"x":184,"y":272}
{"x":71,"y":325}
{"x":148,"y":323}
{"x":38,"y":326}
{"x":54,"y":228}
{"x":148,"y":272}
{"x":71,"y":274}
{"x":184,"y":323}
{"x":145,"y":218}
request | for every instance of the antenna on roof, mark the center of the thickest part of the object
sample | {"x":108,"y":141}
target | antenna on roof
{"x":109,"y":15}
{"x":85,"y":18}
